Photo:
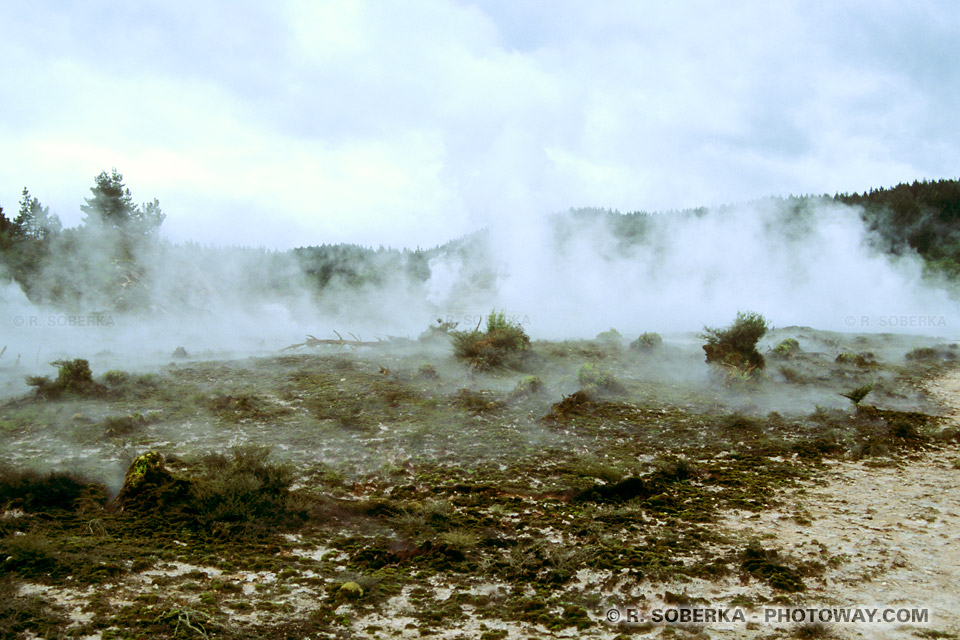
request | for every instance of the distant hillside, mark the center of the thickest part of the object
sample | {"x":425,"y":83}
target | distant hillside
{"x":116,"y":260}
{"x":922,"y":216}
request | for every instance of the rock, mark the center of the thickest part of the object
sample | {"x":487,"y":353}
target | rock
{"x":148,"y":485}
{"x":350,"y":591}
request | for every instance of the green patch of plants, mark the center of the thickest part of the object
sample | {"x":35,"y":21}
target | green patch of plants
{"x":245,"y":407}
{"x":527,"y":386}
{"x":73,"y":378}
{"x":115,"y":377}
{"x":857,"y":395}
{"x":35,"y":492}
{"x":736,"y":346}
{"x":577,"y":403}
{"x":650,"y":341}
{"x":792,"y":375}
{"x":502,"y":344}
{"x":428,"y":372}
{"x":610,"y":338}
{"x":767,"y":565}
{"x":140,"y":386}
{"x":861,"y":360}
{"x":476,"y":401}
{"x":29,"y":554}
{"x":27,"y":616}
{"x":787,"y":348}
{"x":242,"y":495}
{"x":592,"y":376}
{"x":115,"y":426}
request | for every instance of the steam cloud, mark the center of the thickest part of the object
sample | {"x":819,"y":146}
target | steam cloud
{"x":565,"y":276}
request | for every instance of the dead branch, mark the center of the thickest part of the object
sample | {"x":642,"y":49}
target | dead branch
{"x":313,"y":341}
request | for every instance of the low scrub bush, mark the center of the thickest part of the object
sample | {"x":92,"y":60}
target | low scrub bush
{"x":862,"y":360}
{"x":33,"y":491}
{"x":736,"y":345}
{"x":591,"y":376}
{"x":527,"y":386}
{"x":857,"y":395}
{"x":502,"y":344}
{"x":73,"y":378}
{"x":610,"y":338}
{"x":650,"y":341}
{"x":242,"y":494}
{"x":931,"y":354}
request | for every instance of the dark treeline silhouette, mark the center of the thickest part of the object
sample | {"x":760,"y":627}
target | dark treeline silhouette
{"x":923,"y":216}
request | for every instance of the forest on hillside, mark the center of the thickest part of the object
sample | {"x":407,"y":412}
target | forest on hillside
{"x":116,"y":258}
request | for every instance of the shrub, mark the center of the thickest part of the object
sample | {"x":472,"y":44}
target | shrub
{"x":857,"y":395}
{"x":736,"y":345}
{"x":650,"y":341}
{"x":243,"y":494}
{"x":610,"y":338}
{"x":33,"y":491}
{"x":29,"y":554}
{"x":767,"y":565}
{"x":503,"y":344}
{"x":115,"y":378}
{"x":476,"y":401}
{"x":928,"y":354}
{"x":862,"y":360}
{"x":124,"y":425}
{"x":528,"y":385}
{"x":73,"y":377}
{"x":593,"y":376}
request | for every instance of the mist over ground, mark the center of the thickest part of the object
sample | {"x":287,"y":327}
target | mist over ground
{"x":799,"y":261}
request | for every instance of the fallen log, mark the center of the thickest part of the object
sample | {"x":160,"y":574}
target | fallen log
{"x":313,"y":341}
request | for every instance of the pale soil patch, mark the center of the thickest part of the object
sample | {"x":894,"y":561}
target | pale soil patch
{"x":892,"y":535}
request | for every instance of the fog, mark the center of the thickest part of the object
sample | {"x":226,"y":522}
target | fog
{"x":817,"y":269}
{"x":571,"y":275}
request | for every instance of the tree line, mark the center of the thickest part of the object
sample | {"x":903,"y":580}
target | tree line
{"x":114,"y":258}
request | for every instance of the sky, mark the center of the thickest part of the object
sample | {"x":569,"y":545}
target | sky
{"x":409,"y":123}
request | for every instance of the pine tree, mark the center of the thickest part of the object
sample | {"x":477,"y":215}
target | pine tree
{"x":112,"y":207}
{"x":34,"y":221}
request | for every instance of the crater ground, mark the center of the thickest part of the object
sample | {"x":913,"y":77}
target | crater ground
{"x":407,"y":495}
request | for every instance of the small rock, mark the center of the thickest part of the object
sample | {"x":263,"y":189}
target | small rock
{"x":350,"y":590}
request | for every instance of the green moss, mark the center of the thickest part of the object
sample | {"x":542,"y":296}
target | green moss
{"x":766,"y":564}
{"x":350,"y":591}
{"x":787,"y":348}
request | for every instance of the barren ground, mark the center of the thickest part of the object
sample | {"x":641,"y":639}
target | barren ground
{"x":463,"y":504}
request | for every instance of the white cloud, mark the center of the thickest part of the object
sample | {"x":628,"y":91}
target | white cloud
{"x":411,"y":122}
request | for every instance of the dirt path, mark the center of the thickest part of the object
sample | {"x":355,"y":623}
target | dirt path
{"x":890,"y":535}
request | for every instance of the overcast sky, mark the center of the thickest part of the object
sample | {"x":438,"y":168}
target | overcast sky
{"x":411,"y":122}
